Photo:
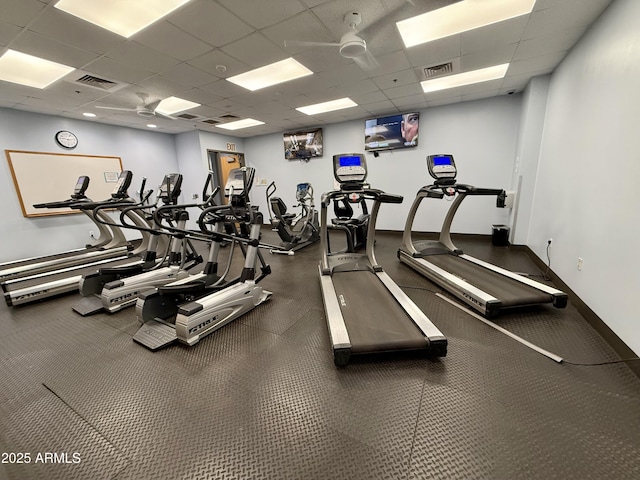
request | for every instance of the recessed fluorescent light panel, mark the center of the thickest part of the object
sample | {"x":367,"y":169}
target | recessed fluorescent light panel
{"x":328,"y":106}
{"x":171,"y":105}
{"x":89,"y":114}
{"x":17,"y":67}
{"x":279,"y":72}
{"x":466,"y":78}
{"x":245,"y":123}
{"x":459,"y":17}
{"x":123,"y":17}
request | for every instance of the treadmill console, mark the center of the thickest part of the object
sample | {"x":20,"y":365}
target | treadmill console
{"x":170,"y":188}
{"x":349,"y":168}
{"x":442,"y":166}
{"x":124,"y":180}
{"x":81,"y":187}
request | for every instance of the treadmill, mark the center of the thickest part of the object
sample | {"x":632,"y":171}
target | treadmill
{"x":37,"y":286}
{"x":367,"y":313}
{"x":485,"y":287}
{"x":111,"y":242}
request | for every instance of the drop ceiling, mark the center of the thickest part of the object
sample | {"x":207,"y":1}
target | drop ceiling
{"x":190,"y":53}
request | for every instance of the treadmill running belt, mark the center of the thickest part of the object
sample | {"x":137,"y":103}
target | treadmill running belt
{"x":374,"y":319}
{"x":509,"y":292}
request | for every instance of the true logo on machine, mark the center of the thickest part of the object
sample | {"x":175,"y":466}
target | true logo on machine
{"x":203,"y":324}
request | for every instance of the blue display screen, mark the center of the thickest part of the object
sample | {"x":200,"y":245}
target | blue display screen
{"x":442,"y":160}
{"x":350,"y":161}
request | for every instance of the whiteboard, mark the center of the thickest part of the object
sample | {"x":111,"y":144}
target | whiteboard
{"x":41,"y":177}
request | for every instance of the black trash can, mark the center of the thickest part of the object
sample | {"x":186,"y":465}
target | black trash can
{"x":500,"y":236}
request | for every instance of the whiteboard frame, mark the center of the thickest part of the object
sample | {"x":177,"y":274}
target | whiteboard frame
{"x":41,"y":177}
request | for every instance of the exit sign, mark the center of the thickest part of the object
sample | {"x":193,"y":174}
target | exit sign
{"x":231,"y":147}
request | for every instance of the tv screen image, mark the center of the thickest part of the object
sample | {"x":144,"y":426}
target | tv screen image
{"x":303,"y":145}
{"x":391,"y":132}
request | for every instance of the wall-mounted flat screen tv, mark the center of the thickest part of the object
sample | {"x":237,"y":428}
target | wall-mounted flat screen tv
{"x":391,"y":132}
{"x":303,"y":145}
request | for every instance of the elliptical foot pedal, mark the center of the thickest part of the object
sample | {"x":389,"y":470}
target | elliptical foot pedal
{"x":88,"y":306}
{"x":155,"y":335}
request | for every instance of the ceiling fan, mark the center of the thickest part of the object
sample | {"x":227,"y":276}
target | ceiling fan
{"x":144,"y":109}
{"x":351,"y":45}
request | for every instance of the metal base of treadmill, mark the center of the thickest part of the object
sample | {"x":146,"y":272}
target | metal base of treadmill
{"x":155,"y":335}
{"x":88,"y":306}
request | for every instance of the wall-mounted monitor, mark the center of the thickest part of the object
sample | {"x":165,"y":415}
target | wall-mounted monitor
{"x":391,"y":132}
{"x":303,"y":145}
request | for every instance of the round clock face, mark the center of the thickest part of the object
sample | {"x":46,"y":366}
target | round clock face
{"x":66,"y":139}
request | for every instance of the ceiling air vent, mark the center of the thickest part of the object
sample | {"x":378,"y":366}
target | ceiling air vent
{"x":229,"y":116}
{"x":437,"y":70}
{"x":87,"y":80}
{"x":187,"y":116}
{"x":210,"y":121}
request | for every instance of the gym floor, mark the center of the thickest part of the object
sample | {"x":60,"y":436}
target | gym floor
{"x":262,"y":399}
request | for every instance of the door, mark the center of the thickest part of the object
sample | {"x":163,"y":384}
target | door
{"x":225,"y":162}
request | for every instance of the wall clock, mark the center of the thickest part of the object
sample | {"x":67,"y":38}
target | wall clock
{"x":66,"y":139}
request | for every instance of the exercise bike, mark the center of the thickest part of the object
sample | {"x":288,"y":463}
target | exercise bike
{"x":295,"y":230}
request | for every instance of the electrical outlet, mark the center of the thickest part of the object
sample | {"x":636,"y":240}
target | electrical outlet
{"x":580,"y":262}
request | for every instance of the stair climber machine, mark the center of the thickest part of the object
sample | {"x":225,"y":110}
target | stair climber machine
{"x":39,"y":286}
{"x":191,"y":308}
{"x":155,"y":255}
{"x":109,"y":243}
{"x":485,"y":287}
{"x":295,"y":231}
{"x":123,"y":293}
{"x":367,"y":313}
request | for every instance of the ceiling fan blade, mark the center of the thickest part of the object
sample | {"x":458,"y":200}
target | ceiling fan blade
{"x":162,"y":115}
{"x":303,"y":43}
{"x":366,"y":61}
{"x":116,"y":108}
{"x":153,"y":105}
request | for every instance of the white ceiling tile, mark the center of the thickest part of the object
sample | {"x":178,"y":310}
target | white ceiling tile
{"x":20,"y":13}
{"x":488,"y":57}
{"x":436,"y":52}
{"x":302,"y":27}
{"x":381,"y":108}
{"x":539,"y":65}
{"x":169,"y":39}
{"x":8,"y":32}
{"x":71,"y":30}
{"x":396,"y":79}
{"x":261,"y":14}
{"x":537,"y":46}
{"x":53,"y":50}
{"x":188,"y":76}
{"x":210,"y":61}
{"x":125,"y":73}
{"x":141,"y":56}
{"x":403,"y":91}
{"x":211,"y":23}
{"x":507,"y":32}
{"x":255,"y":50}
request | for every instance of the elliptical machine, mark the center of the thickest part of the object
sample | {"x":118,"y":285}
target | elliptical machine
{"x":192,"y":308}
{"x":295,"y":231}
{"x":123,"y":292}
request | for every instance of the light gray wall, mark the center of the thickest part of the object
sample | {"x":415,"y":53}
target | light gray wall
{"x":149,"y":154}
{"x":587,"y":196}
{"x":481,"y":135}
{"x":525,"y":169}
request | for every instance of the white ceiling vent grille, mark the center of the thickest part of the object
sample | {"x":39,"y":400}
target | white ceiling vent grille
{"x":88,"y":80}
{"x":442,"y":69}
